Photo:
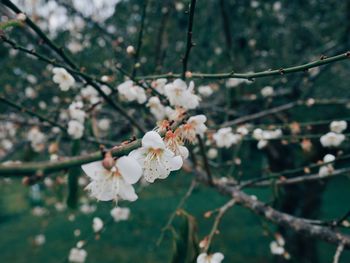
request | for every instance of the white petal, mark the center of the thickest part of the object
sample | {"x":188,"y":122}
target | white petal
{"x":95,"y":170}
{"x":127,"y":191}
{"x":217,"y":257}
{"x":202,"y":258}
{"x":129,"y":169}
{"x":183,"y":152}
{"x":152,"y":140}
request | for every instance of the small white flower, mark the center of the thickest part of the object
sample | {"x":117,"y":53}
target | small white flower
{"x":338,"y":126}
{"x":97,"y":224}
{"x":159,"y":84}
{"x":37,"y":139}
{"x":332,"y":139}
{"x":180,"y":95}
{"x":130,"y":50}
{"x":63,"y":78}
{"x":120,"y":213}
{"x":39,"y":240}
{"x":90,"y":93}
{"x":116,"y":183}
{"x":104,"y":124}
{"x":76,"y":112}
{"x":30,"y":93}
{"x":194,"y":126}
{"x":276,"y":249}
{"x":328,"y":158}
{"x":21,"y":17}
{"x":205,"y":91}
{"x":234,"y":82}
{"x":242,"y":130}
{"x":157,"y":160}
{"x":131,"y":92}
{"x":225,"y":138}
{"x":267,"y":91}
{"x":77,"y":255}
{"x":212,"y":258}
{"x":212,"y":153}
{"x":75,"y":129}
{"x":156,"y":108}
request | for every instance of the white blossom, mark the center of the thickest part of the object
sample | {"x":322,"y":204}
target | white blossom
{"x":104,"y":124}
{"x":338,"y":126}
{"x":75,"y":129}
{"x":39,"y":240}
{"x":276,"y":249}
{"x":90,"y":93}
{"x":97,"y":224}
{"x":180,"y":95}
{"x":77,"y":255}
{"x":157,"y":160}
{"x":76,"y":112}
{"x":205,"y":91}
{"x":212,"y":258}
{"x":267,"y":91}
{"x":224,"y":137}
{"x":120,"y":213}
{"x":328,"y":168}
{"x":174,"y":143}
{"x":156,"y":108}
{"x":115,"y":183}
{"x":212,"y":153}
{"x":159,"y":85}
{"x":131,"y":92}
{"x":234,"y":82}
{"x":37,"y":139}
{"x":63,"y":78}
{"x":332,"y":139}
{"x":194,"y":126}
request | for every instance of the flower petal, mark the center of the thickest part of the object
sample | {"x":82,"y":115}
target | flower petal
{"x":95,"y":170}
{"x":126,"y":191}
{"x":129,"y":169}
{"x":152,"y":140}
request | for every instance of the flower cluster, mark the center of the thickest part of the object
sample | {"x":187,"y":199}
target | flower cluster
{"x":334,"y":138}
{"x":224,"y":137}
{"x":263,"y":136}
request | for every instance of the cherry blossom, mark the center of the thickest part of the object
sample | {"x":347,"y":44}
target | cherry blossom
{"x":159,"y":85}
{"x":97,"y":224}
{"x":224,"y":137}
{"x":131,"y":92}
{"x":63,"y":78}
{"x":37,"y":139}
{"x":156,"y":108}
{"x":120,"y":213}
{"x":77,"y":255}
{"x":180,"y":95}
{"x":114,"y":183}
{"x":75,"y":129}
{"x":332,"y":139}
{"x":205,"y":91}
{"x":211,"y":258}
{"x":194,"y":126}
{"x":267,"y":91}
{"x":338,"y":126}
{"x":157,"y":160}
{"x":175,"y":144}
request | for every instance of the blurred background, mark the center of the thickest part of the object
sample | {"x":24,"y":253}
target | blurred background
{"x":36,"y":223}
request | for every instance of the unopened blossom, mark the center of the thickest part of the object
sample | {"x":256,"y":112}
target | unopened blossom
{"x":156,"y":108}
{"x":174,"y":143}
{"x":97,"y":224}
{"x":104,"y":124}
{"x":77,"y":255}
{"x":157,"y":160}
{"x":267,"y":91}
{"x":159,"y":85}
{"x":130,"y":50}
{"x":37,"y":139}
{"x":211,"y":258}
{"x":113,"y":183}
{"x":338,"y":126}
{"x":131,"y":92}
{"x":205,"y":91}
{"x":224,"y":137}
{"x":120,"y":213}
{"x":180,"y":95}
{"x":212,"y":153}
{"x":194,"y":126}
{"x":332,"y":139}
{"x":75,"y":129}
{"x":63,"y":78}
